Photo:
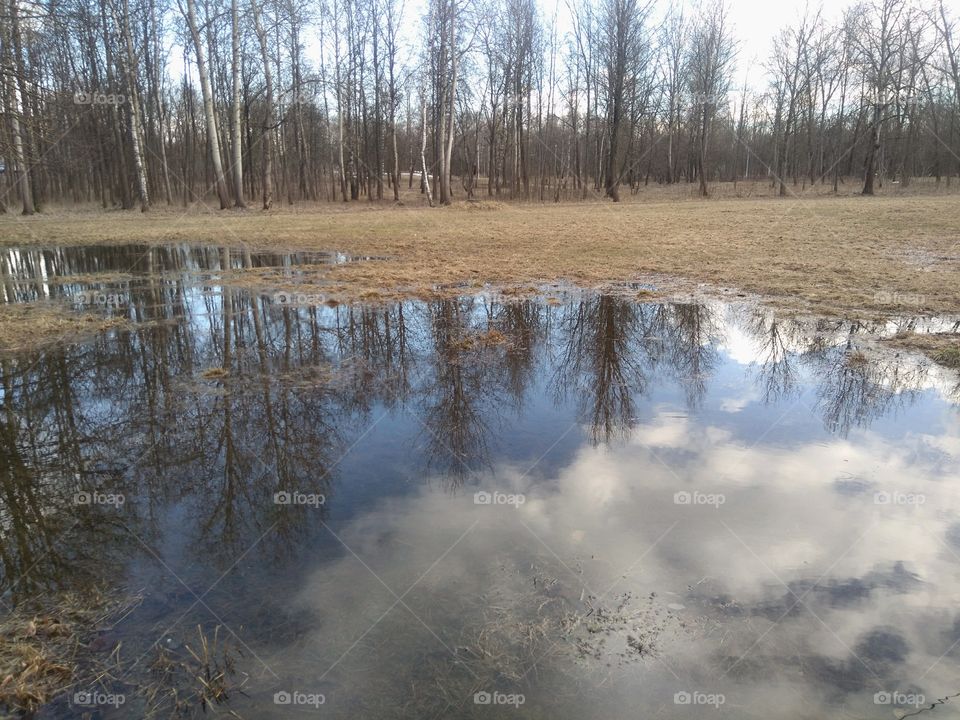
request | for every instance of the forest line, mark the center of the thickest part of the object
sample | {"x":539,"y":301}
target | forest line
{"x":485,"y":98}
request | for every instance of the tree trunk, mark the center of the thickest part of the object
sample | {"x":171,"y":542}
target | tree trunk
{"x":213,"y":141}
{"x":23,"y":175}
{"x":235,"y":72}
{"x":266,"y":132}
{"x":16,"y":130}
{"x":136,"y":149}
{"x":871,"y":161}
{"x":23,"y":110}
{"x":423,"y":149}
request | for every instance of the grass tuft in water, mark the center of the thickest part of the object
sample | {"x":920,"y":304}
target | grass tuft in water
{"x":62,"y":646}
{"x":203,"y":675}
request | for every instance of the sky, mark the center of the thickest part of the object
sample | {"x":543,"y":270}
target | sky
{"x":755,"y":22}
{"x":758,"y":22}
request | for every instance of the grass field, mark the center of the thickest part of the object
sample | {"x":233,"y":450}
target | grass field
{"x":850,"y":255}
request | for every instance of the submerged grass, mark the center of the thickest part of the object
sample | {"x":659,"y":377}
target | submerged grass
{"x":68,"y":645}
{"x":526,"y":624}
{"x":28,"y":326}
{"x":201,"y":677}
{"x":490,"y":338}
{"x":949,"y":357}
{"x":60,"y":646}
{"x":943,"y":348}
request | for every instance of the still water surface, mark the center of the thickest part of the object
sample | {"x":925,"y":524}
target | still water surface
{"x":571,"y":506}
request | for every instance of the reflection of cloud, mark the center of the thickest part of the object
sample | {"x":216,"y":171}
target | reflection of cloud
{"x":790,"y":515}
{"x":737,"y":404}
{"x":739,"y":345}
{"x":669,"y":430}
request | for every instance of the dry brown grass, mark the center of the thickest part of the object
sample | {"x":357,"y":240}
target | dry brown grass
{"x":48,"y":649}
{"x":201,"y":677}
{"x":33,"y":325}
{"x":848,"y":255}
{"x":944,"y":348}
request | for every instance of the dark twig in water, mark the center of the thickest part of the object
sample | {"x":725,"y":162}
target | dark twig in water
{"x":932,"y":706}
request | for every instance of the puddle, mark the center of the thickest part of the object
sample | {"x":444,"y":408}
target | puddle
{"x":581,"y":506}
{"x":103,"y":275}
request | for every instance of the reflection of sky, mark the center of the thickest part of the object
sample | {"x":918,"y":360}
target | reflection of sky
{"x":800,"y":596}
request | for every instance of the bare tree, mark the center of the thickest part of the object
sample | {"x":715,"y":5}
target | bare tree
{"x":674,"y":71}
{"x":213,"y":140}
{"x":624,"y":44}
{"x":710,"y":61}
{"x":878,"y":39}
{"x":235,"y":120}
{"x":15,"y":100}
{"x":267,"y":127}
{"x":393,"y":12}
{"x":133,"y":103}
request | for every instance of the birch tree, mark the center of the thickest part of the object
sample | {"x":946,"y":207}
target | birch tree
{"x":209,"y":111}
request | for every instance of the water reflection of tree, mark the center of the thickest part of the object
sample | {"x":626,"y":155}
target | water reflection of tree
{"x":458,"y":388}
{"x":375,"y":343}
{"x":264,"y":434}
{"x":524,"y":323}
{"x":443,"y":353}
{"x":611,"y":346}
{"x":47,"y":457}
{"x":691,"y":334}
{"x":854,"y":389}
{"x":127,"y":412}
{"x":773,"y":338}
{"x":601,"y":362}
{"x":28,"y":536}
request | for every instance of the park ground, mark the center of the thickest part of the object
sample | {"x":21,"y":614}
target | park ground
{"x":860,"y":257}
{"x":897,"y":254}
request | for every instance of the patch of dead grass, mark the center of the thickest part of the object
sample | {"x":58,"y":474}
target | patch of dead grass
{"x":215,"y":373}
{"x":846,"y":255}
{"x":943,"y":348}
{"x":840,"y":255}
{"x":30,"y":326}
{"x":490,"y":338}
{"x":48,"y":649}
